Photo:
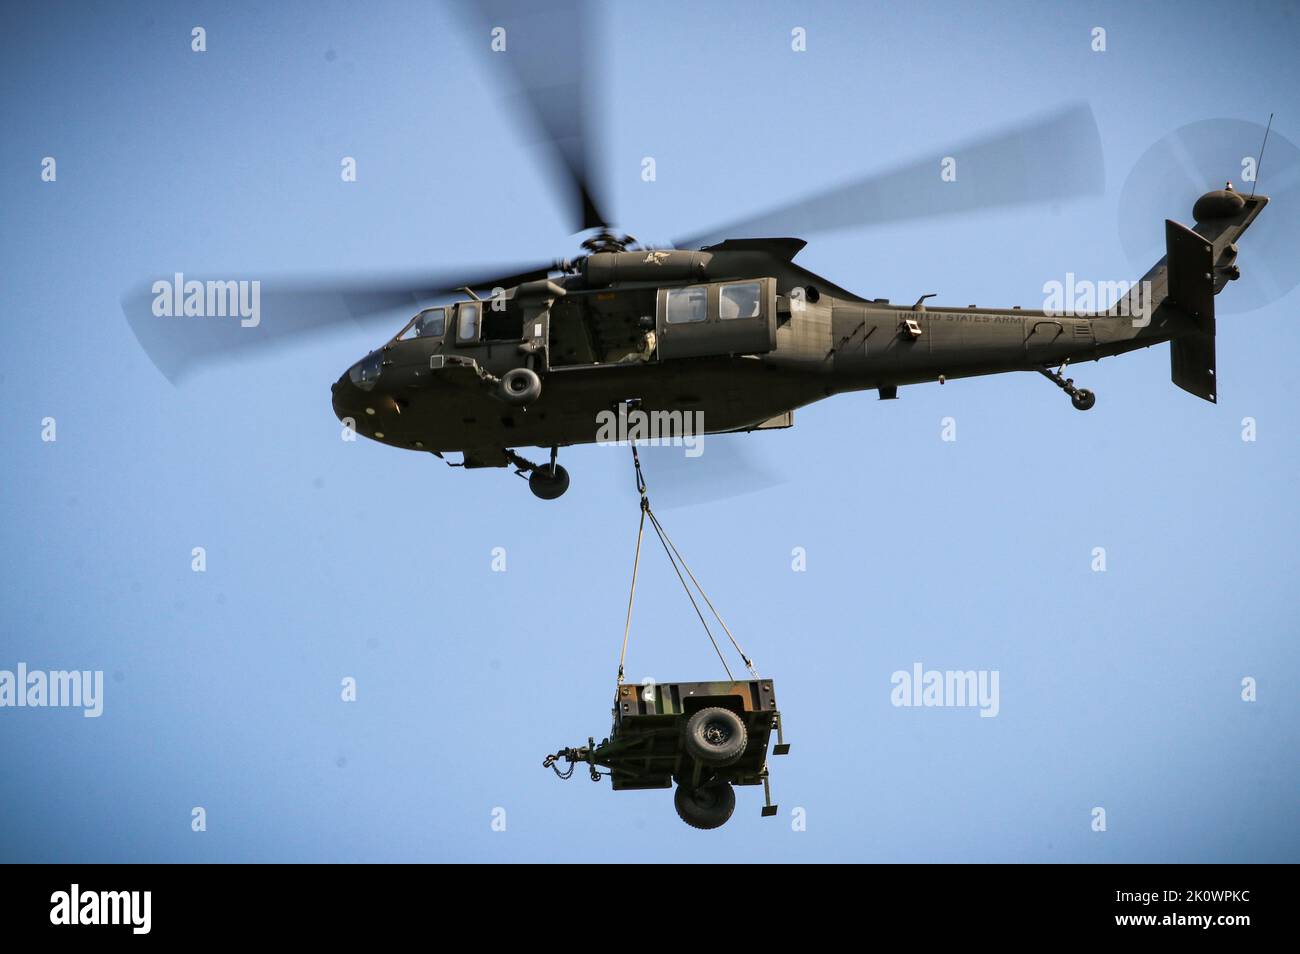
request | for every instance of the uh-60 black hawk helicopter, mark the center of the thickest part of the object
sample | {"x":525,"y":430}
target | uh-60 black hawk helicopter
{"x":733,"y":330}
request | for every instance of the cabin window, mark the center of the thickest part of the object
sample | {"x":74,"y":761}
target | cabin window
{"x":687,"y":304}
{"x":467,"y":316}
{"x":740,"y":301}
{"x":431,"y":323}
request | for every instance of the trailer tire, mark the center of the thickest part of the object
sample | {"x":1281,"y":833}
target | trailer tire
{"x":715,"y":736}
{"x":706,"y":807}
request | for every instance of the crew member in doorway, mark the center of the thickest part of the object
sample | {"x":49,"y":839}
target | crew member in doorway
{"x":645,"y":346}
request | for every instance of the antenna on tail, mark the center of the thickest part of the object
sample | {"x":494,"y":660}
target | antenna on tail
{"x":1260,"y":161}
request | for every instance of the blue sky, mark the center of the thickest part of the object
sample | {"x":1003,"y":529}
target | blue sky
{"x":329,"y":559}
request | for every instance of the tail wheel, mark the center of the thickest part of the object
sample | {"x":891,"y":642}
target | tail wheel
{"x":706,"y":807}
{"x":716,"y":736}
{"x":1083,"y":399}
{"x":520,"y":386}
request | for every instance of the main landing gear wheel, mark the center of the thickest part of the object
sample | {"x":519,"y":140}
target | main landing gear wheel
{"x":715,"y":736}
{"x":548,"y":481}
{"x":706,"y":807}
{"x":1083,"y":399}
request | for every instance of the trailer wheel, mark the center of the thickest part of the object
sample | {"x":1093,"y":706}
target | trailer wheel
{"x":716,"y":736}
{"x":706,"y":807}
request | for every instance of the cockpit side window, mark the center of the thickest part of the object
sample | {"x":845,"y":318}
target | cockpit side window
{"x":467,"y":320}
{"x":431,"y":323}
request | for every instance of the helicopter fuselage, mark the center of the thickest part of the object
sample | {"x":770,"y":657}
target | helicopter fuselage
{"x":735,"y":335}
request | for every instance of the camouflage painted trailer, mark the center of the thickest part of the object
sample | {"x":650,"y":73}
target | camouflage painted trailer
{"x":705,"y":737}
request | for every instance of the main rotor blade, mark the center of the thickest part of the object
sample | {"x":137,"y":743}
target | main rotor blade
{"x":550,"y":73}
{"x":1051,"y":158}
{"x":185,"y":321}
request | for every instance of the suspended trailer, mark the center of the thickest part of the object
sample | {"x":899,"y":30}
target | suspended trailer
{"x":703,"y":736}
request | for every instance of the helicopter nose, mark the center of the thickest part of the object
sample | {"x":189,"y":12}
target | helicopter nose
{"x":360,"y":405}
{"x":355,"y":404}
{"x":344,"y":396}
{"x":355,"y":388}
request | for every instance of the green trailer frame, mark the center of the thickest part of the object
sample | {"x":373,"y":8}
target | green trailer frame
{"x":645,"y":747}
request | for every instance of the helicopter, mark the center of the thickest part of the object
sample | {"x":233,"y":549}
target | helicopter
{"x":732,"y":333}
{"x":740,"y":334}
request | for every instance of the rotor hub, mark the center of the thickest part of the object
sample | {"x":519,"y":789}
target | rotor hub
{"x":607,"y":241}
